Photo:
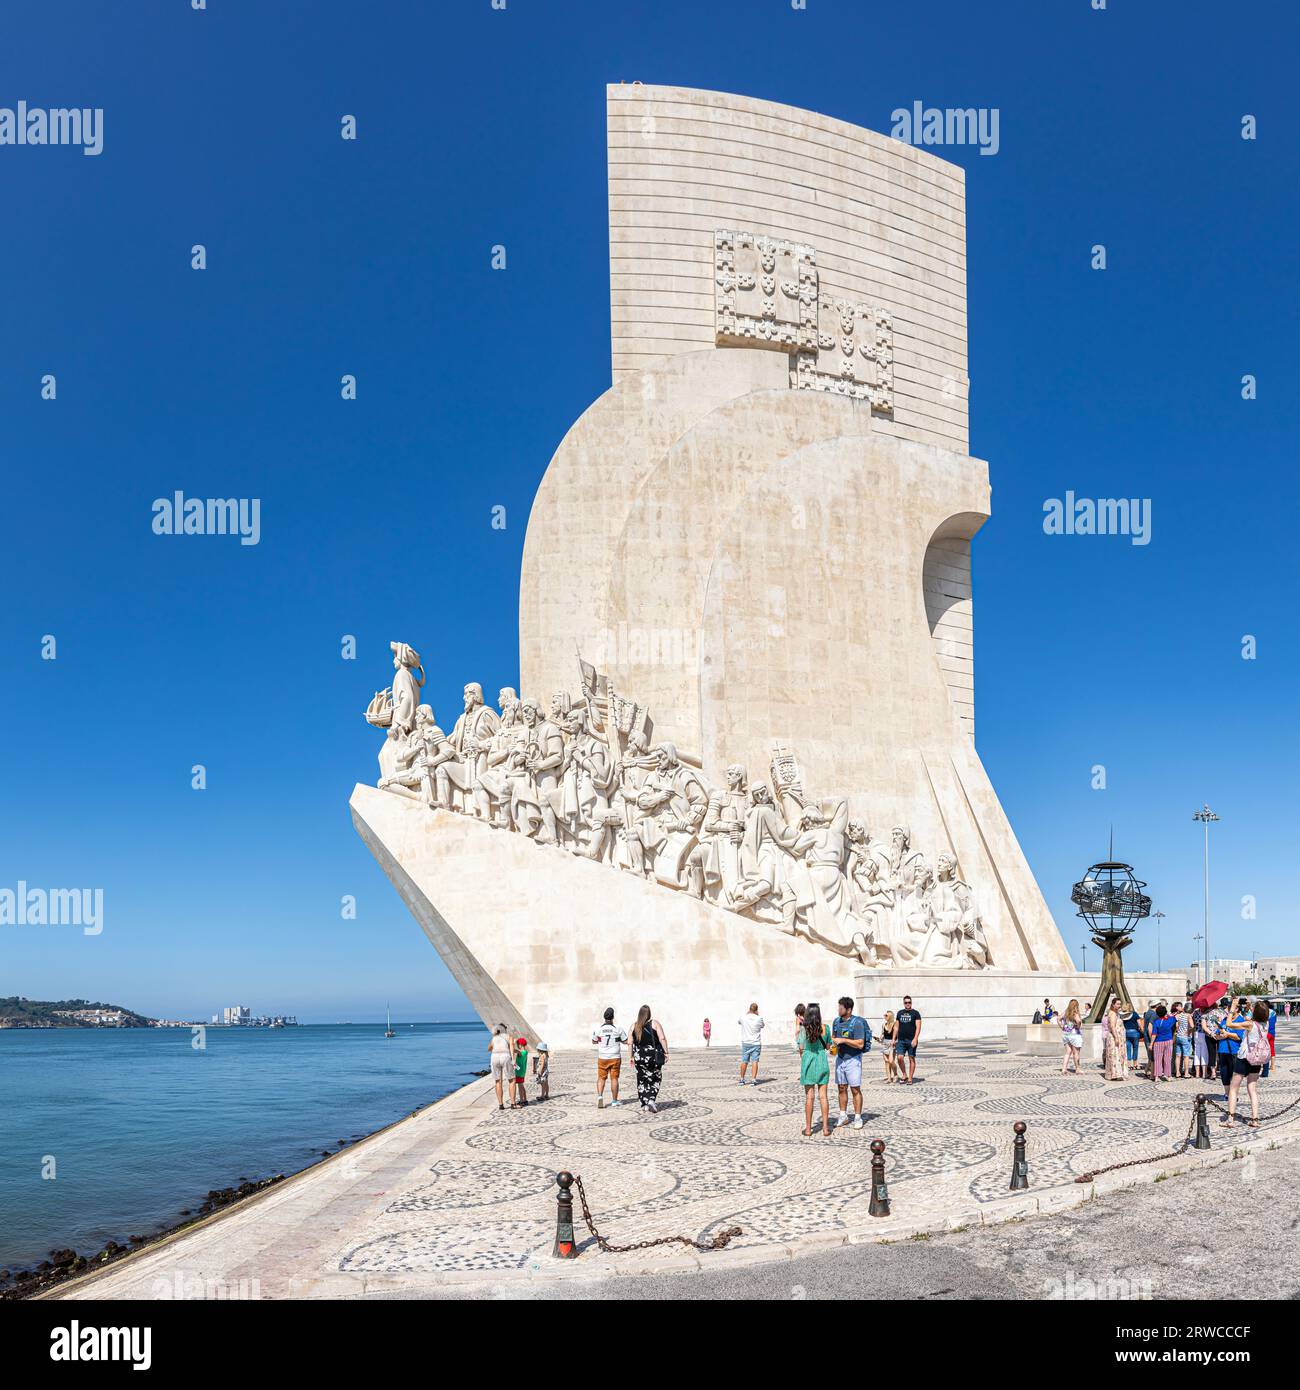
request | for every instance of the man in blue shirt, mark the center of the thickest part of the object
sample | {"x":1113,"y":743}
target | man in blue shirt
{"x":849,"y":1038}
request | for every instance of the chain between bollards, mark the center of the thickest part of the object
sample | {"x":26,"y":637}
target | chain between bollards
{"x":566,"y":1247}
{"x":879,"y":1205}
{"x":1019,"y":1161}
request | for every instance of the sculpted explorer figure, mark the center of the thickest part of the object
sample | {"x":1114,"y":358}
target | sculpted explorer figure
{"x":715,"y":861}
{"x":493,"y":789}
{"x":675,"y":799}
{"x":823,"y":907}
{"x":543,"y":755}
{"x":766,"y":859}
{"x":958,"y":941}
{"x":471,"y":737}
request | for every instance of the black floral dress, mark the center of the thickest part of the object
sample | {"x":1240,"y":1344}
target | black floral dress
{"x":648,"y":1057}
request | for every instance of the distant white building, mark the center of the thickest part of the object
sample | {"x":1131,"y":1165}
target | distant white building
{"x":236,"y":1014}
{"x":1273,"y":972}
{"x":1233,"y":972}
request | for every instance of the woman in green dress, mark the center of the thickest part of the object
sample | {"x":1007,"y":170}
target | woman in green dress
{"x":814,"y":1067}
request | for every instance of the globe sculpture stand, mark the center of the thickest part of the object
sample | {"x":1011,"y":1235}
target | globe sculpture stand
{"x":1112,"y":902}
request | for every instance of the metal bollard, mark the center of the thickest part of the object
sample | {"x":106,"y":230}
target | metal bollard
{"x":1202,"y":1125}
{"x":1019,"y":1162}
{"x":879,"y":1205}
{"x":566,"y":1247}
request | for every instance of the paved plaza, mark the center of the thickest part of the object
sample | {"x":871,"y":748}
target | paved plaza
{"x":461,"y":1196}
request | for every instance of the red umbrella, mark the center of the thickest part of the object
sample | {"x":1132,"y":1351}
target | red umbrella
{"x":1209,"y":994}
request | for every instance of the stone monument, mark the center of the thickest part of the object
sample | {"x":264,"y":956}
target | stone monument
{"x":743,"y":765}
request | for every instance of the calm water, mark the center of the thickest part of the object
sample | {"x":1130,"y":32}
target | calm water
{"x":141,"y":1125}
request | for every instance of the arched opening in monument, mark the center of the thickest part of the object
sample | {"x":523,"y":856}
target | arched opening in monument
{"x":949,"y":610}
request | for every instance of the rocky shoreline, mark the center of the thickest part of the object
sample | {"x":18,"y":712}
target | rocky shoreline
{"x":67,"y":1263}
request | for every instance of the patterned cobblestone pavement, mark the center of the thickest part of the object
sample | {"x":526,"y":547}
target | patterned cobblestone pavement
{"x":718,"y":1154}
{"x":464,"y":1193}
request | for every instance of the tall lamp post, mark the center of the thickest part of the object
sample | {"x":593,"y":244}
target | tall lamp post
{"x":1200,"y":936}
{"x":1083,"y":952}
{"x":1205,"y":816}
{"x":1159,"y":916}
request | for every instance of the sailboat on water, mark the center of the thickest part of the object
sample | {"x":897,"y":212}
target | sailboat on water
{"x":390,"y":1033}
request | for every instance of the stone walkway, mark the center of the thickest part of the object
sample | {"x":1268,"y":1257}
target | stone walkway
{"x":463,"y":1194}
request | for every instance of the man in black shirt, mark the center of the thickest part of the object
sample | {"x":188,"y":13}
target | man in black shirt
{"x":906,"y":1037}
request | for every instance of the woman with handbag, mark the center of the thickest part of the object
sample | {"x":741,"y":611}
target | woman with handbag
{"x":649,"y":1050}
{"x":1252,"y":1053}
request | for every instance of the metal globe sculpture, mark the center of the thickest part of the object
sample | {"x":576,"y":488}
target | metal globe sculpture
{"x":1110,"y":899}
{"x":1109,"y":892}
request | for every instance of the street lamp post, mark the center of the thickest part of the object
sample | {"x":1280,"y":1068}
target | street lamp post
{"x":1200,"y":936}
{"x":1205,"y":816}
{"x":1083,"y":951}
{"x":1159,"y":916}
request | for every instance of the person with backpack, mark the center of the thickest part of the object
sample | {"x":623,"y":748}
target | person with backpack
{"x":1252,"y":1054}
{"x":849,"y":1037}
{"x":649,"y":1049}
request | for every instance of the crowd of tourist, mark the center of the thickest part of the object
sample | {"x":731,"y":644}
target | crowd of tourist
{"x":1233,"y":1041}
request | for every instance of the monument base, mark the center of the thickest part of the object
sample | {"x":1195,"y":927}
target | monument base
{"x":989,"y":1003}
{"x":1045,"y":1040}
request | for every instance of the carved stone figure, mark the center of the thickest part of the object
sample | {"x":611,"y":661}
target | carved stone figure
{"x":470,"y":740}
{"x":542,"y":756}
{"x":958,"y":940}
{"x":912,"y":915}
{"x":869,"y":872}
{"x":822,"y":903}
{"x":905,"y":864}
{"x":492,"y":790}
{"x":675,"y":799}
{"x":589,"y":779}
{"x":714,"y":863}
{"x":765,"y":862}
{"x":406,"y":686}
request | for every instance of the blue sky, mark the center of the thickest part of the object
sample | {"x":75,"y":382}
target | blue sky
{"x":371,"y":257}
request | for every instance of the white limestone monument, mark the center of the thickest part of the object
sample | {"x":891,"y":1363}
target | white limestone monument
{"x":743,"y":765}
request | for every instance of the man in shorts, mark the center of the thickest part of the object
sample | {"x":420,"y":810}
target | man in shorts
{"x":849,"y":1038}
{"x":907,"y":1038}
{"x":751,"y":1041}
{"x":609,"y":1040}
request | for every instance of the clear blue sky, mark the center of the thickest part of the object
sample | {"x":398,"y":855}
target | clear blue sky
{"x":372,"y":257}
